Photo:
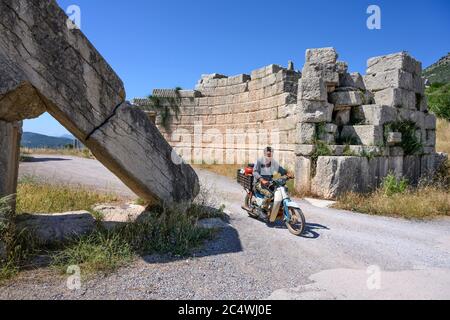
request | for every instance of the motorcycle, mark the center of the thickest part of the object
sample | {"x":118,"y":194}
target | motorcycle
{"x":280,"y":208}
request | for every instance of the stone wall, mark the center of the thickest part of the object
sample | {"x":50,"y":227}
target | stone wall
{"x":339,"y":131}
{"x":231,"y":119}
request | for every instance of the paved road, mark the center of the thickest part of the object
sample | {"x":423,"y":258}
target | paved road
{"x":343,"y":256}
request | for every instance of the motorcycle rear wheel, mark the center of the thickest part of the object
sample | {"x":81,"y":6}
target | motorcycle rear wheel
{"x":297,"y":224}
{"x":249,"y":205}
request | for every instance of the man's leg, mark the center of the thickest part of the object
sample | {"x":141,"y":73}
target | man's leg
{"x":267,"y":196}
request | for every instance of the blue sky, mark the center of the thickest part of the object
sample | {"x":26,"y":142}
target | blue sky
{"x":165,"y":44}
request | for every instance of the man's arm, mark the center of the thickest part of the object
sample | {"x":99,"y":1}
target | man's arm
{"x":284,"y":173}
{"x":257,"y":171}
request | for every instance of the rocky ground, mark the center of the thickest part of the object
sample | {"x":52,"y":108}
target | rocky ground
{"x":342,"y":256}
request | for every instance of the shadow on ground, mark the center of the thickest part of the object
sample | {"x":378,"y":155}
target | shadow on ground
{"x":37,"y":160}
{"x":311,"y":229}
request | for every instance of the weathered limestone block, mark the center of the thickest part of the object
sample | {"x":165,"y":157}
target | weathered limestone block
{"x":396,"y":152}
{"x":342,"y":68}
{"x":314,"y":111}
{"x":19,"y":100}
{"x":389,"y":79}
{"x":347,"y":98}
{"x":133,"y":149}
{"x":430,"y":122}
{"x":363,"y":151}
{"x":321,"y":55}
{"x":52,"y":228}
{"x":428,"y":150}
{"x":364,"y":134}
{"x":303,"y":175}
{"x":396,"y":97}
{"x":80,"y":88}
{"x":313,"y":89}
{"x":338,"y":175}
{"x":10,"y":135}
{"x":419,"y":84}
{"x":305,"y":149}
{"x":431,"y":163}
{"x":331,"y":128}
{"x":172,"y":93}
{"x":306,"y":133}
{"x":265,"y":71}
{"x":325,"y":71}
{"x":241,"y":78}
{"x":342,"y":117}
{"x":396,"y":165}
{"x":394,"y":138}
{"x":353,"y":80}
{"x":378,"y":170}
{"x":411,"y":169}
{"x":430,"y":140}
{"x":401,"y":60}
{"x":374,"y":114}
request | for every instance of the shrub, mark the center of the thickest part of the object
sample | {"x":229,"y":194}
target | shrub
{"x":439,"y":99}
{"x":17,"y":244}
{"x":410,"y":142}
{"x":392,"y":185}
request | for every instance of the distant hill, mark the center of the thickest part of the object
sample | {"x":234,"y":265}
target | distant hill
{"x":439,"y":72}
{"x":35,"y":140}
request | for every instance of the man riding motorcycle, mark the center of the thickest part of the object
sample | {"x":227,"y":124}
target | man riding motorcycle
{"x":263,"y":173}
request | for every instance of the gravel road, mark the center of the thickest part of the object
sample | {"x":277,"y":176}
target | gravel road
{"x":343,"y":255}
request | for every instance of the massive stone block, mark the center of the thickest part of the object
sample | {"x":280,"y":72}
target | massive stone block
{"x":389,"y":79}
{"x":396,"y":61}
{"x":303,"y":175}
{"x":52,"y":67}
{"x":337,"y":175}
{"x":396,"y":97}
{"x":363,"y":134}
{"x":347,"y":98}
{"x":374,"y":114}
{"x":321,"y":55}
{"x":315,"y":111}
{"x":10,"y":134}
{"x":133,"y":149}
{"x":312,"y":89}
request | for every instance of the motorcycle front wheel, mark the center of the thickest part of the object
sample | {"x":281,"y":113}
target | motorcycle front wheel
{"x":297,"y":224}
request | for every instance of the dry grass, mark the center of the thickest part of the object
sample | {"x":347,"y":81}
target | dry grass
{"x":41,"y":197}
{"x":226,"y":170}
{"x":81,"y":153}
{"x":423,"y":203}
{"x":443,"y":136}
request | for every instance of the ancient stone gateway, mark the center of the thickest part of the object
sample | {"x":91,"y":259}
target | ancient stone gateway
{"x":339,"y":131}
{"x":47,"y":66}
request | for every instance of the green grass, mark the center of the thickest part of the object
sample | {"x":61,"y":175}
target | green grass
{"x":170,"y":231}
{"x":34,"y":196}
{"x":439,"y":99}
{"x":161,"y":230}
